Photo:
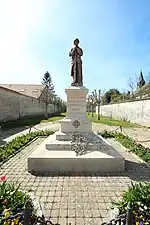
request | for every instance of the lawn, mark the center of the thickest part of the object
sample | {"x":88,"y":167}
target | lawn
{"x":111,"y":122}
{"x":26,"y":122}
{"x":36,"y":120}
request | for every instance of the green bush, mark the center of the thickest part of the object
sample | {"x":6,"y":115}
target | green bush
{"x":131,"y":145}
{"x":17,"y":143}
{"x":11,"y":197}
{"x":107,"y":134}
{"x":138,"y":195}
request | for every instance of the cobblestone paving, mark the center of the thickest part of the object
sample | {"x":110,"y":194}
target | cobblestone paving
{"x":75,"y":198}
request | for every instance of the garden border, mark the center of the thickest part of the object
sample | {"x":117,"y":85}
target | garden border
{"x":111,"y":135}
{"x":141,"y":161}
{"x":17,"y":151}
{"x":27,"y":144}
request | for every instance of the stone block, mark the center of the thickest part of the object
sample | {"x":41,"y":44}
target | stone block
{"x":57,"y":156}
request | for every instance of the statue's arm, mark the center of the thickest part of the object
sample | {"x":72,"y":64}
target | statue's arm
{"x":71,"y":53}
{"x":79,"y":51}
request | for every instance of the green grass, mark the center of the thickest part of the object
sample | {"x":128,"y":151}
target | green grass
{"x":23,"y":122}
{"x":111,"y":122}
{"x":41,"y":119}
{"x":53,"y":119}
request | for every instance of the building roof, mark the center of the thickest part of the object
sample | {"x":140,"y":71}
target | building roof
{"x":32,"y":90}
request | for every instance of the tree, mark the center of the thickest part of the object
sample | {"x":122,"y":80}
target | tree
{"x":110,"y":95}
{"x":53,"y":100}
{"x":48,"y":93}
{"x":58,"y":104}
{"x":141,"y":81}
{"x":97,"y":100}
{"x":91,"y":103}
{"x":64,"y":107}
{"x":88,"y":104}
{"x":132,"y":84}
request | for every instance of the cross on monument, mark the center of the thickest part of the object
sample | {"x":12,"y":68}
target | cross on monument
{"x":76,"y":123}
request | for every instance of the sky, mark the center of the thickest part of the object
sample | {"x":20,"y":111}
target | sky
{"x":37,"y":35}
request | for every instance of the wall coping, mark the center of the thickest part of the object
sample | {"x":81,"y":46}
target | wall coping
{"x":9,"y":90}
{"x":136,"y":100}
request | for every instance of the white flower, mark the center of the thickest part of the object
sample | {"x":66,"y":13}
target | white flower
{"x":114,"y":213}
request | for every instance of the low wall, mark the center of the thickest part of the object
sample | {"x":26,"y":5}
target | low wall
{"x":14,"y":105}
{"x":136,"y":112}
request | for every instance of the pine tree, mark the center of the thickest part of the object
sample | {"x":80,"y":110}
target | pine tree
{"x":48,"y":92}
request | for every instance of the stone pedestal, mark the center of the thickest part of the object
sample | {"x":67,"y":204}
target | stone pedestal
{"x":58,"y":152}
{"x":76,"y":120}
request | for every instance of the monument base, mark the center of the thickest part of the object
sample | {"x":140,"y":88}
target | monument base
{"x":57,"y":156}
{"x":75,"y":148}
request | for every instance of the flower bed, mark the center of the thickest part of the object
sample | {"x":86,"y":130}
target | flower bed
{"x":131,"y":145}
{"x":138,"y":195}
{"x":17,"y":143}
{"x":14,"y":202}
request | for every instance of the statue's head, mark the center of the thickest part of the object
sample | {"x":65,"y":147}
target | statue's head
{"x":76,"y":41}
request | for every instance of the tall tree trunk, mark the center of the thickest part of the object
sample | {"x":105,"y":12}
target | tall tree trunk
{"x":92,"y":109}
{"x":98,"y":111}
{"x":88,"y":109}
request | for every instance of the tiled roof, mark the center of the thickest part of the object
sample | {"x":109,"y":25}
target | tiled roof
{"x":32,"y":90}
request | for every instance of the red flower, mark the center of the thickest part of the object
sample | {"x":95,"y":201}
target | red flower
{"x":3,"y":178}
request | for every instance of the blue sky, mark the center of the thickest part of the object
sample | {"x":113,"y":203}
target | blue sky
{"x":36,"y":36}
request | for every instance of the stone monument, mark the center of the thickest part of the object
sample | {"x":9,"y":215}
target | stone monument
{"x":75,"y":147}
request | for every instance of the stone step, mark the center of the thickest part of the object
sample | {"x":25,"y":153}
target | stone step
{"x":66,"y":145}
{"x":67,"y":161}
{"x":63,"y":137}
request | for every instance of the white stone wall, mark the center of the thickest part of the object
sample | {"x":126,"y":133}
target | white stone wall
{"x":136,"y":112}
{"x":14,"y":105}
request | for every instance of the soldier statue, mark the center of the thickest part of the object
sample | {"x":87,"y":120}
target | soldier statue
{"x":76,"y":67}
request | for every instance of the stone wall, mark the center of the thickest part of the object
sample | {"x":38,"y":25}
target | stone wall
{"x":14,"y":105}
{"x":136,"y":112}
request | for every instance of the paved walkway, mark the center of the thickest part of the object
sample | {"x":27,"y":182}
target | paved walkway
{"x":75,"y":198}
{"x":10,"y":134}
